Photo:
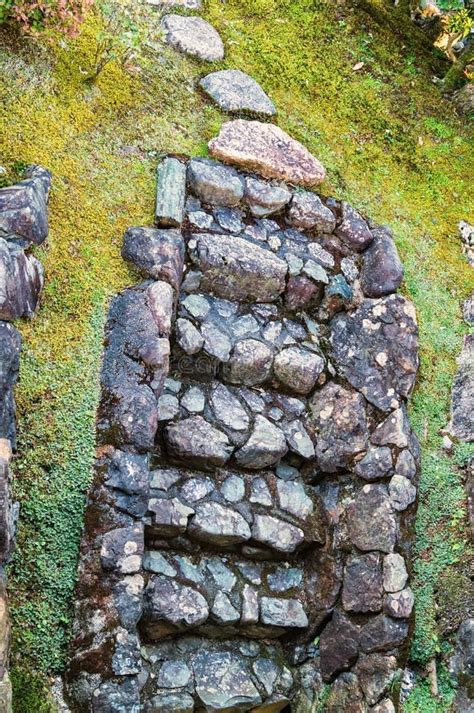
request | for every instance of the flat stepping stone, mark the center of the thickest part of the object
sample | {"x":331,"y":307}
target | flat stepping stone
{"x":234,"y":91}
{"x":267,"y":149}
{"x":193,"y":36}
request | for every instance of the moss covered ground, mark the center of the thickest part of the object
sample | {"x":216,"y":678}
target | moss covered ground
{"x":392,"y":145}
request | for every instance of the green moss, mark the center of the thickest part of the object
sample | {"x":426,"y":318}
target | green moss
{"x":392,"y":145}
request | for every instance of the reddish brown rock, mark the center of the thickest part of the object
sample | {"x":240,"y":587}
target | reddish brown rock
{"x":339,"y":645}
{"x":267,"y":149}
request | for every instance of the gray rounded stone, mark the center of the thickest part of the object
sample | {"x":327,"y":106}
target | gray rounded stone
{"x":214,"y":183}
{"x":219,"y":525}
{"x":193,"y":36}
{"x":402,"y":492}
{"x":395,"y":574}
{"x":250,"y":363}
{"x":265,"y":198}
{"x":307,"y":211}
{"x":196,"y":441}
{"x":298,"y":369}
{"x":265,"y":447}
{"x":234,"y":91}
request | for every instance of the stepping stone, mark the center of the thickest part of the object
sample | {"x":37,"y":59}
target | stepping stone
{"x":267,"y":149}
{"x":234,"y":91}
{"x":186,"y":4}
{"x":193,"y":36}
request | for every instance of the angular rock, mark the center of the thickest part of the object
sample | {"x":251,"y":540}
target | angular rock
{"x":376,"y":464}
{"x":400,"y":604}
{"x":353,"y":229}
{"x":321,"y":256}
{"x":298,"y":440}
{"x":346,"y":695}
{"x":10,"y":346}
{"x":462,"y":664}
{"x":193,"y":400}
{"x":216,"y":342}
{"x":382,"y":270}
{"x":375,"y":673}
{"x":308,"y":212}
{"x":385,"y":706}
{"x":250,"y":607}
{"x":169,"y":604}
{"x":265,"y":447}
{"x":395,"y":574}
{"x":268,"y":150}
{"x":293,"y":498}
{"x":170,"y":193}
{"x":298,"y":369}
{"x":174,"y":674}
{"x":339,"y":645}
{"x":168,"y":407}
{"x":214,"y":183}
{"x":235,"y":92}
{"x":341,"y":419}
{"x":250,"y":363}
{"x":228,"y":409}
{"x":23,"y":207}
{"x":158,"y":254}
{"x":265,"y":198}
{"x":362,"y":589}
{"x":402,"y":492}
{"x":122,"y":549}
{"x":287,"y":613}
{"x":223,"y":611}
{"x":376,"y":349}
{"x":128,"y":475}
{"x":235,"y":269}
{"x":462,"y":396}
{"x":193,"y":36}
{"x":169,"y":517}
{"x":21,"y":282}
{"x":371,"y":522}
{"x":230,"y":219}
{"x":277,"y":534}
{"x":406,"y":465}
{"x":223,"y":682}
{"x":188,"y":337}
{"x":219,"y":525}
{"x":300,"y":292}
{"x":196,"y":441}
{"x":394,"y":431}
{"x":382,"y":633}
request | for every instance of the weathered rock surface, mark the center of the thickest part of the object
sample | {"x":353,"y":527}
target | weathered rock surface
{"x":376,"y":349}
{"x":462,"y":666}
{"x":267,"y":149}
{"x":265,"y":199}
{"x":265,"y":447}
{"x":342,"y":425}
{"x":235,"y":92}
{"x":382,"y":270}
{"x":158,"y":254}
{"x":362,"y":588}
{"x":307,"y":211}
{"x":10,"y":346}
{"x":23,"y":207}
{"x":214,"y":183}
{"x":236,"y":269}
{"x":195,"y":441}
{"x":339,"y":645}
{"x":371,"y":520}
{"x":193,"y":36}
{"x":462,"y":397}
{"x":298,"y":369}
{"x":170,"y":193}
{"x":354,"y":229}
{"x":382,"y":633}
{"x":21,"y":282}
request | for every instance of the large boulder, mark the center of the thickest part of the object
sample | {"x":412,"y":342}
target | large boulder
{"x":23,"y":207}
{"x":376,"y":349}
{"x":237,"y":269}
{"x":268,"y":150}
{"x":158,"y":254}
{"x":193,"y":36}
{"x":235,"y":92}
{"x":21,"y":282}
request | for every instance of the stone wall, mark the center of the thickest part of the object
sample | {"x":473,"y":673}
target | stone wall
{"x":23,"y":221}
{"x":248,"y":530}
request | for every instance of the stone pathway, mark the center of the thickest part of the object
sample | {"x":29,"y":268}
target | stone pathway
{"x":256,"y":475}
{"x":254,"y":491}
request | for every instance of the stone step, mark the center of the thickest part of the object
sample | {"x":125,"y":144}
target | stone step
{"x":209,"y":425}
{"x":193,"y":36}
{"x":221,"y":596}
{"x":191,"y":674}
{"x":236,"y":92}
{"x":264,"y":516}
{"x":246,"y":345}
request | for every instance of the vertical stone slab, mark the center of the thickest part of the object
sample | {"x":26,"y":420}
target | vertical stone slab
{"x":170,"y":193}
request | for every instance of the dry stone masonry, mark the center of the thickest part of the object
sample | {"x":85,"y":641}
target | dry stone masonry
{"x":247,"y":540}
{"x":23,"y":222}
